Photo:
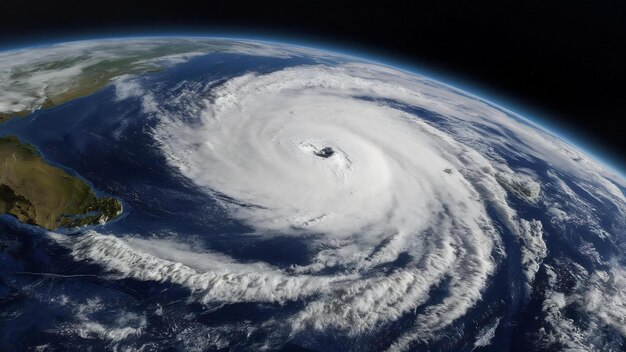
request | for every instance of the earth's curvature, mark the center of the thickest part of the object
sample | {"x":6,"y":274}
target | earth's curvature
{"x":241,"y":195}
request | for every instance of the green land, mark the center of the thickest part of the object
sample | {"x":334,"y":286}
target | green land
{"x":93,"y":79}
{"x":38,"y":193}
{"x":94,"y":76}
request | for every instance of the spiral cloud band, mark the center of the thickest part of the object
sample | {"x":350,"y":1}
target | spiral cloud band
{"x":310,"y":151}
{"x":347,"y":157}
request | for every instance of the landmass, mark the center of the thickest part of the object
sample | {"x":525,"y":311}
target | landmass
{"x":60,"y":74}
{"x":38,"y":193}
{"x":93,"y":79}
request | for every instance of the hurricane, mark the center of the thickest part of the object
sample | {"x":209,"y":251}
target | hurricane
{"x":335,"y":203}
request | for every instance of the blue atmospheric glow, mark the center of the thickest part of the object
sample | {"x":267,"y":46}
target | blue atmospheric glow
{"x":608,"y":159}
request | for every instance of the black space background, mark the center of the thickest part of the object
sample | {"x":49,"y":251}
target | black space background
{"x":564,"y":59}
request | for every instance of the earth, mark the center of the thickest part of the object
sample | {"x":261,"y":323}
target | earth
{"x":205,"y":194}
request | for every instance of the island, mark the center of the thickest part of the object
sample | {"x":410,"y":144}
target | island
{"x":41,"y":194}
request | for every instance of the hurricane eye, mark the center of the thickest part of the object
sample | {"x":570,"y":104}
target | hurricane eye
{"x":325,"y":153}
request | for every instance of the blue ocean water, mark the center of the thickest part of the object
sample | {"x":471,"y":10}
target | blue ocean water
{"x":108,"y":142}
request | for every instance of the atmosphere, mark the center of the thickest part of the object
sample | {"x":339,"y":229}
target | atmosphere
{"x":562,"y":59}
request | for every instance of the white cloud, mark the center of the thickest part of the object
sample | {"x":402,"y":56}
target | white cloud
{"x":486,"y":334}
{"x":318,"y":154}
{"x":118,"y":325}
